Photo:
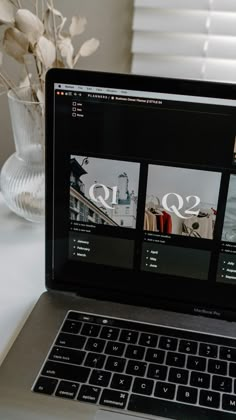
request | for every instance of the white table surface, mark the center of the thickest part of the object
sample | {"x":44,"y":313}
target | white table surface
{"x":21,"y":273}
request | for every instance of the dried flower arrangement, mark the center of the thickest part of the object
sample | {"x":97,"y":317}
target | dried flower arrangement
{"x":37,"y":39}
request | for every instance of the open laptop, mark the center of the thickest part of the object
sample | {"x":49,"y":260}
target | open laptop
{"x":138,"y":320}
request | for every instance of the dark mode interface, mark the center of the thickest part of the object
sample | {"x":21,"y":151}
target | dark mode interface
{"x":149,"y":183}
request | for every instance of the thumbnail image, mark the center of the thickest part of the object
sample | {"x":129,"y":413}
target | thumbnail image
{"x":181,"y":201}
{"x":229,"y":228}
{"x":104,"y":191}
{"x":234,"y":154}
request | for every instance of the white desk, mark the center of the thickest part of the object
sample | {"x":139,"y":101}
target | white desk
{"x":21,"y":273}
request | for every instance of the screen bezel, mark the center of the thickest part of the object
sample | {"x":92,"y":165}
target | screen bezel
{"x":125,"y":292}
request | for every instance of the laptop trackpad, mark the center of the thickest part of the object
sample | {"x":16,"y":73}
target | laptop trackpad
{"x":110,"y":415}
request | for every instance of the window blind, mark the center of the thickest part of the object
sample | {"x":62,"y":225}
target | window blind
{"x":185,"y":38}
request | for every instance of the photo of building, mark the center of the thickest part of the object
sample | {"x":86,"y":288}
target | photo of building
{"x":95,"y":200}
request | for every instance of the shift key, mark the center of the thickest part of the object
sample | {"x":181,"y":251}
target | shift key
{"x":66,"y":371}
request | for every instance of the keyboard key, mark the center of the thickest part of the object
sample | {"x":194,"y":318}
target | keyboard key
{"x":229,"y":402}
{"x":80,"y":317}
{"x":67,"y":390}
{"x":187,"y":394}
{"x":89,"y":394}
{"x":109,"y":333}
{"x":217,"y":366}
{"x":201,"y":380}
{"x":121,"y":382}
{"x":196,"y":363}
{"x":209,"y":399}
{"x":148,"y":340}
{"x":157,"y":372}
{"x":136,"y":368}
{"x":178,"y":376}
{"x":175,"y":359}
{"x":115,"y":364}
{"x":232,"y":370}
{"x":208,"y":350}
{"x":228,"y":353}
{"x":143,"y":386}
{"x":69,"y":340}
{"x":188,"y":346}
{"x":158,"y":408}
{"x":220,"y":383}
{"x":90,"y":330}
{"x":100,"y":378}
{"x":62,"y":354}
{"x":103,"y":320}
{"x":115,"y":349}
{"x":66,"y":371}
{"x":168,"y":343}
{"x":155,"y":356}
{"x":95,"y":360}
{"x":128,"y":336}
{"x":45,"y":385}
{"x":135,"y":352}
{"x":113,"y":398}
{"x":71,"y":327}
{"x":165,"y":390}
{"x":94,"y":344}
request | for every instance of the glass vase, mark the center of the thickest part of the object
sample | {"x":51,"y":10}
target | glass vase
{"x":23,"y":174}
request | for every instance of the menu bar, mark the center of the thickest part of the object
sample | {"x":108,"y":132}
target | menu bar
{"x":144,"y":94}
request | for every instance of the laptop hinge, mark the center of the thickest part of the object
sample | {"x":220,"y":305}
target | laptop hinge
{"x":63,"y":292}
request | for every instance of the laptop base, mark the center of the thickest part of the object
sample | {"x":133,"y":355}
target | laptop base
{"x":24,"y":360}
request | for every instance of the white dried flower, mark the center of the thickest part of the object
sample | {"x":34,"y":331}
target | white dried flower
{"x":67,"y":50}
{"x":54,"y":11}
{"x":77,"y":25}
{"x":51,"y":15}
{"x":39,"y":43}
{"x":6,"y":12}
{"x":89,"y":47}
{"x":16,"y":44}
{"x":46,"y":52}
{"x":29,"y":24}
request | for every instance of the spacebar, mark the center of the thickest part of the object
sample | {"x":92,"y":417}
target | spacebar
{"x":172,"y":410}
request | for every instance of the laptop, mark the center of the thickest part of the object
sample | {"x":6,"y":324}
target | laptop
{"x":139,"y":317}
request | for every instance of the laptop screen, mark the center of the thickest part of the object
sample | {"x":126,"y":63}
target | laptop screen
{"x":145,"y":192}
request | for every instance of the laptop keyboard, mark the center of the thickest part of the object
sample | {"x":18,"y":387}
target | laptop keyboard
{"x":141,"y":367}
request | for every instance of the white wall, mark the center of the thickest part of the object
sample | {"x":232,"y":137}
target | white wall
{"x":108,"y":20}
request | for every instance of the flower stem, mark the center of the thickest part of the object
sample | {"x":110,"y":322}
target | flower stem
{"x":43,"y":11}
{"x":39,"y":72}
{"x":7,"y":83}
{"x":54,"y":28}
{"x":28,"y":74}
{"x":36,"y":8}
{"x":13,"y":3}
